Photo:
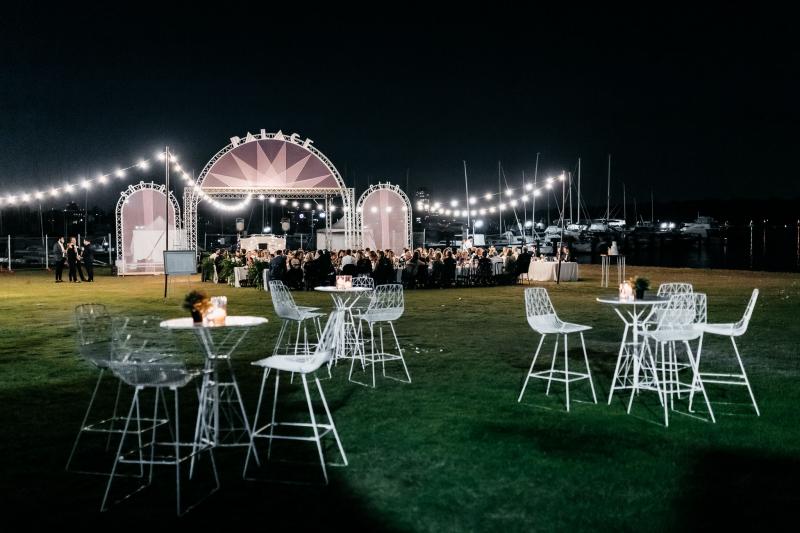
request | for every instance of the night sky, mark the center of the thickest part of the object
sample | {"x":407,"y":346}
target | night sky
{"x":692,"y":104}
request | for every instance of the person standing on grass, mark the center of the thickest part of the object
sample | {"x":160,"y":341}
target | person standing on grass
{"x":61,"y":255}
{"x":87,"y":258}
{"x":72,"y":260}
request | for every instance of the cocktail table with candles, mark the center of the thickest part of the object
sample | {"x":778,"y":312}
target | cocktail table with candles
{"x":344,"y":299}
{"x":220,"y":396}
{"x":626,"y":372}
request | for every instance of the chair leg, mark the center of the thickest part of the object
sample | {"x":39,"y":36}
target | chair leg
{"x":618,"y":367}
{"x":400,"y":351}
{"x":530,"y":370}
{"x":252,"y":447}
{"x":85,"y":419}
{"x":113,"y":419}
{"x":744,"y":376}
{"x":330,"y":421}
{"x":177,"y":456}
{"x":588,"y":370}
{"x":691,"y":390}
{"x":697,"y":381}
{"x":662,"y":393}
{"x":314,"y":427}
{"x":134,"y":403}
{"x":552,"y":367}
{"x":274,"y":409}
{"x":153,"y":439}
{"x":566,"y":370}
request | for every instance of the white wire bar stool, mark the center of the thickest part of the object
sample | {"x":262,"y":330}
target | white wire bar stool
{"x":730,"y":330}
{"x":303,"y":364}
{"x":149,"y":360}
{"x":293,"y":316}
{"x":97,"y":332}
{"x":386,"y":306}
{"x":543,"y":320}
{"x":677,"y":324}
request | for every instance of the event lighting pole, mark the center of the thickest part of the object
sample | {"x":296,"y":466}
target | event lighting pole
{"x":166,"y":215}
{"x":561,"y":244}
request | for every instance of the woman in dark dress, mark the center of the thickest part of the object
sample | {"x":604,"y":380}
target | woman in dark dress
{"x":72,"y":260}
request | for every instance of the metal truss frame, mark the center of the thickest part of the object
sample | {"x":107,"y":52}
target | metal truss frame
{"x":123,"y":198}
{"x":192,"y":195}
{"x":383,"y":187}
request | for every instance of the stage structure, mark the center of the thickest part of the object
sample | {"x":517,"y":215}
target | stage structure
{"x":141,"y":223}
{"x":270,"y":166}
{"x":384,"y":217}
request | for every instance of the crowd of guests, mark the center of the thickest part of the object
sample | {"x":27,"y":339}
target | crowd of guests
{"x":418,"y":268}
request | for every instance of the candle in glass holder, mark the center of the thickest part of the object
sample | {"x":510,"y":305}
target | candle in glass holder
{"x":625,"y":292}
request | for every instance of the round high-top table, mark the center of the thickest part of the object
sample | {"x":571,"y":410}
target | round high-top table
{"x":351,"y":344}
{"x":217,"y":396}
{"x":629,"y":356}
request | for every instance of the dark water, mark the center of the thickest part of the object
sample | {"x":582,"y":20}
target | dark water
{"x":762,"y":247}
{"x":770,"y":248}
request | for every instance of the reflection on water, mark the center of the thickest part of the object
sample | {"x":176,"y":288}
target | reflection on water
{"x":756,"y":246}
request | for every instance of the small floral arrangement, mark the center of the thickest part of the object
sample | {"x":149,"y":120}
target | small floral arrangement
{"x":640,"y":284}
{"x":197,"y":303}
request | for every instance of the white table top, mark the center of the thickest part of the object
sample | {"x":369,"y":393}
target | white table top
{"x":614,"y":300}
{"x":334,"y":289}
{"x":230,"y":322}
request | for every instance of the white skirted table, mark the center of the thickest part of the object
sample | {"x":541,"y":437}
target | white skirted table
{"x":605,"y":268}
{"x":239,"y":275}
{"x":219,"y":398}
{"x":548,"y":271}
{"x":626,"y":372}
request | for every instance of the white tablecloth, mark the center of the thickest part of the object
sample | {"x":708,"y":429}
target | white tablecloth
{"x":547,"y":271}
{"x":239,"y":275}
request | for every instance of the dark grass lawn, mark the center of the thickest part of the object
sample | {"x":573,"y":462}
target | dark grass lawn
{"x":453,"y":451}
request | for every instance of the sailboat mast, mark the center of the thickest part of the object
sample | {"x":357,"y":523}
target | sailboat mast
{"x":466,"y":195}
{"x":608,"y":190}
{"x":569,"y":182}
{"x":500,"y":197}
{"x":524,"y":208}
{"x":533,"y":203}
{"x":624,"y":204}
{"x":651,"y":207}
{"x":579,"y":190}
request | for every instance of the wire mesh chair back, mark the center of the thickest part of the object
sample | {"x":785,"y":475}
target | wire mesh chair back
{"x":677,"y":313}
{"x":95,"y":332}
{"x":364,"y":281}
{"x":328,"y":340}
{"x":283,"y":301}
{"x":539,"y":310}
{"x":145,"y":355}
{"x":740,"y":327}
{"x":668,"y":289}
{"x":700,"y":308}
{"x":387,"y":303}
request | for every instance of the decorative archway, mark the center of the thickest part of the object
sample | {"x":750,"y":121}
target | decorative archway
{"x":269,"y":164}
{"x":141,"y":224}
{"x":384,"y":217}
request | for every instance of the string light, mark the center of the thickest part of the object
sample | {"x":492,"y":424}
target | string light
{"x":509,"y":193}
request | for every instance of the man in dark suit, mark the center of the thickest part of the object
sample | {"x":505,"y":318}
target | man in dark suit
{"x":87,"y":258}
{"x":277,"y":267}
{"x":523,"y":261}
{"x":60,"y":253}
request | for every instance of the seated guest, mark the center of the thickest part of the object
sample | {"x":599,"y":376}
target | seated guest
{"x":363,"y":265}
{"x":411,"y":270}
{"x":449,"y":269}
{"x":277,"y":266}
{"x":437,"y":270}
{"x":294,"y":275}
{"x":348,"y":264}
{"x":384,"y":270}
